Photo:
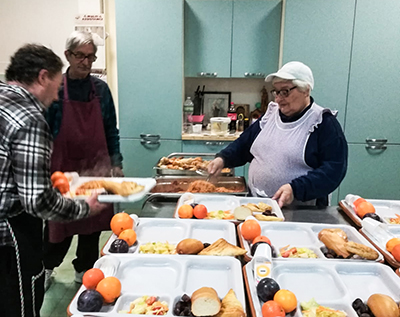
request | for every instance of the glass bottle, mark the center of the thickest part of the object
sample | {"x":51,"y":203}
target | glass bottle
{"x":188,"y":108}
{"x":233,"y":115}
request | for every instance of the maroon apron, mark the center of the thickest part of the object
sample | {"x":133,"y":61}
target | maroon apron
{"x":81,"y":146}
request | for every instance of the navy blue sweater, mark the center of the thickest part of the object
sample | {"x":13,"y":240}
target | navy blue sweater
{"x":326,"y":152}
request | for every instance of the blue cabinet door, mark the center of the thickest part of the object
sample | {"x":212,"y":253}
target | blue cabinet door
{"x":208,"y":32}
{"x":150,"y":67}
{"x":139,"y":158}
{"x":256,"y":37}
{"x":372,"y":173}
{"x":373,"y":103}
{"x":319,"y":34}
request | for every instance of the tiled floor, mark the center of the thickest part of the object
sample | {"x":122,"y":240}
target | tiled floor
{"x":63,"y":289}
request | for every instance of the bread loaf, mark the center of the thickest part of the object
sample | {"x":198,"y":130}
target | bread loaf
{"x":189,"y":246}
{"x":205,"y":302}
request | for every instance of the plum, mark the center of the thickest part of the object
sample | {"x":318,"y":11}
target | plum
{"x":90,"y":301}
{"x":267,"y":288}
{"x":119,"y":246}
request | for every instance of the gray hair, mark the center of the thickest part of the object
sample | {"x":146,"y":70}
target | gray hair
{"x":301,"y":85}
{"x":78,"y":38}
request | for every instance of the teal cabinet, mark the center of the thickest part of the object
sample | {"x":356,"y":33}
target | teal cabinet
{"x":373,"y":102}
{"x":319,"y":34}
{"x":208,"y":35}
{"x":210,"y":147}
{"x":140,"y":158}
{"x":255,"y":37}
{"x":372,"y":173}
{"x":150,"y":67}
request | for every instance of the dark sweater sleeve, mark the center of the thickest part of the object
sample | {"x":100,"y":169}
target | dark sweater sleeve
{"x":326,"y":152}
{"x":238,"y":152}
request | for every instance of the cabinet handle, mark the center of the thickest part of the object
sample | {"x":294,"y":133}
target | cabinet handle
{"x":254,"y":75}
{"x":143,"y":142}
{"x":150,"y":137}
{"x":204,"y":74}
{"x":379,"y":141}
{"x":376,"y":147}
{"x":215,"y":143}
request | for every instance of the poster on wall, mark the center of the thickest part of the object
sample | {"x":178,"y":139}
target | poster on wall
{"x":92,"y":23}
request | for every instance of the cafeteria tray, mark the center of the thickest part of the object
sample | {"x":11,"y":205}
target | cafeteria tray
{"x":225,"y":202}
{"x":385,"y":209}
{"x":179,"y":185}
{"x":302,"y":235}
{"x":335,"y":284}
{"x":379,"y":234}
{"x":168,"y":277}
{"x":175,"y":230}
{"x":148,"y":184}
{"x":184,"y":172}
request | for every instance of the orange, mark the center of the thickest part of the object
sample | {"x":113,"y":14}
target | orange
{"x":250,"y":229}
{"x":92,"y":277}
{"x":363,"y":208}
{"x":396,"y":252}
{"x":57,"y":175}
{"x":185,"y":211}
{"x":272,"y":309}
{"x":62,"y":185}
{"x":129,"y":235}
{"x":200,"y":211}
{"x":391,"y":243}
{"x":120,"y":222}
{"x":109,"y":288}
{"x":357,"y":202}
{"x":286,"y":299}
{"x":261,"y":238}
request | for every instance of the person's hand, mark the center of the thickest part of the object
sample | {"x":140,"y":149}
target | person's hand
{"x":215,"y":167}
{"x":284,"y":195}
{"x":117,"y":172}
{"x":95,"y":206}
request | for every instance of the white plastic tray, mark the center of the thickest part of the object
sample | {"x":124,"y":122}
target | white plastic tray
{"x":175,"y":230}
{"x":225,"y":202}
{"x":169,"y":277}
{"x":302,"y":234}
{"x":333,"y":284}
{"x":385,"y":209}
{"x":148,"y":184}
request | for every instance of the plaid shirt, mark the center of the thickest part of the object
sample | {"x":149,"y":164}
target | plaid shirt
{"x":25,"y":150}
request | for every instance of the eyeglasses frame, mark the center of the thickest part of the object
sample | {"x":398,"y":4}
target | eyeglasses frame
{"x":279,"y":92}
{"x":89,"y":58}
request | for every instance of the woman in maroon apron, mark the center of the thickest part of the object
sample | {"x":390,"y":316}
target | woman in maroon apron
{"x":81,"y":146}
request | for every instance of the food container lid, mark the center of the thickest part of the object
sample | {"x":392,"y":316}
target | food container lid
{"x":220,"y":119}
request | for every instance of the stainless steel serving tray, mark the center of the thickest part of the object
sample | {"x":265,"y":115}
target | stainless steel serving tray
{"x":179,"y":185}
{"x":173,"y":172}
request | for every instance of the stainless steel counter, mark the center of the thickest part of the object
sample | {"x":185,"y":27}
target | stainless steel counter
{"x":163,"y":206}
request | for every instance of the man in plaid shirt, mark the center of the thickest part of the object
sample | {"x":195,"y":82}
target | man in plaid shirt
{"x":26,"y":193}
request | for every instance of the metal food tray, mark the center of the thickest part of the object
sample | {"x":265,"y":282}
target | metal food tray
{"x":173,"y":172}
{"x":335,"y":284}
{"x":385,"y":209}
{"x":179,"y":185}
{"x":225,"y":202}
{"x":168,"y":277}
{"x":175,"y":230}
{"x":300,"y":235}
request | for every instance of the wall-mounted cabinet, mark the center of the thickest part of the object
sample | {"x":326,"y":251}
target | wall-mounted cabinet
{"x":231,"y":38}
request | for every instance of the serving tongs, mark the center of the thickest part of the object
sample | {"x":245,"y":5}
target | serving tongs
{"x":204,"y":173}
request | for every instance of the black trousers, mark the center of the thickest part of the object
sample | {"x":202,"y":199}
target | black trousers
{"x":28,"y":234}
{"x":87,"y":251}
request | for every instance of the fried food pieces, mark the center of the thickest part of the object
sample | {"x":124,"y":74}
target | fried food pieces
{"x":123,"y":189}
{"x":201,"y":186}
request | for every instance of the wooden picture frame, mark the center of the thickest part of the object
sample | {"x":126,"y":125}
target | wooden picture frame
{"x":215,"y":104}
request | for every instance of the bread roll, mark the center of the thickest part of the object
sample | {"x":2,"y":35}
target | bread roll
{"x":189,"y":246}
{"x":205,"y":302}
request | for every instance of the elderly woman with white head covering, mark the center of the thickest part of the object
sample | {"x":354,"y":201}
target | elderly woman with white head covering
{"x":297,"y":150}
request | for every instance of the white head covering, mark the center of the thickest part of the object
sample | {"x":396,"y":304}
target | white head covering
{"x":291,"y":71}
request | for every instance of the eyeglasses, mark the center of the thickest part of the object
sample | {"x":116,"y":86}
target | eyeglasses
{"x":81,"y":57}
{"x":283,"y":93}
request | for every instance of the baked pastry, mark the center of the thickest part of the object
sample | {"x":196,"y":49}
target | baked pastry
{"x":338,"y":231}
{"x":261,"y":207}
{"x":267,"y":218}
{"x":231,"y":306}
{"x":189,"y":246}
{"x":221,"y":247}
{"x":95,"y":184}
{"x":205,"y":302}
{"x":361,"y":250}
{"x":334,"y":242}
{"x":123,"y":189}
